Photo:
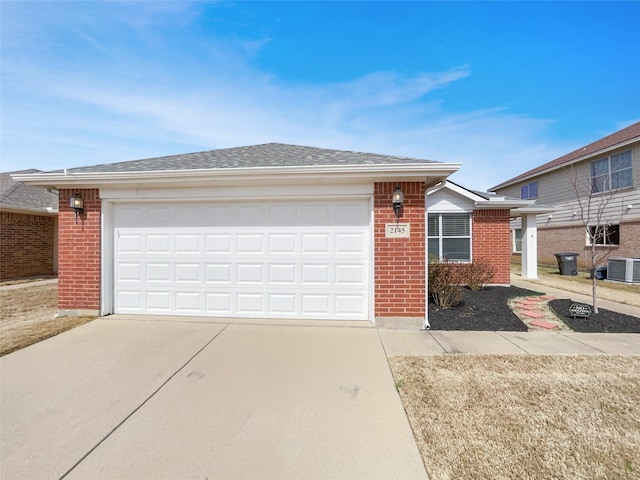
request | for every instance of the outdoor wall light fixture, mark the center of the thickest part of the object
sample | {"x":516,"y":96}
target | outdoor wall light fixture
{"x":77,"y":204}
{"x":397,"y":200}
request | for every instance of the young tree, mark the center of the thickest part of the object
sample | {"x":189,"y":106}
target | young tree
{"x":593,"y":194}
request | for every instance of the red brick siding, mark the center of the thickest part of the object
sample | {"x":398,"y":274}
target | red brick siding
{"x":492,"y":241}
{"x":399,"y":269}
{"x":79,"y":252}
{"x":26,"y":245}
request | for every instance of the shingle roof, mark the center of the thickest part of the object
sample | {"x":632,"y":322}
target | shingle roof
{"x":624,"y":135}
{"x":266,"y":155}
{"x":18,"y":194}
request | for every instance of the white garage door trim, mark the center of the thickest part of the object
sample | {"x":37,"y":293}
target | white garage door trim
{"x":272,"y":259}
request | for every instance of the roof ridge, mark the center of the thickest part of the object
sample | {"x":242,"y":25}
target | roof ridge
{"x":623,"y":135}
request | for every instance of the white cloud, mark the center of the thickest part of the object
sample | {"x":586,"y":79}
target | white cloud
{"x":126,"y":104}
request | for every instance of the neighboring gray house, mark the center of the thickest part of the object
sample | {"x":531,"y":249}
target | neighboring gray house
{"x":28,"y":229}
{"x":610,"y":169}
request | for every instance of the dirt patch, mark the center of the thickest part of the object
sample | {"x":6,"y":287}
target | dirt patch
{"x":27,"y":316}
{"x":522,"y":416}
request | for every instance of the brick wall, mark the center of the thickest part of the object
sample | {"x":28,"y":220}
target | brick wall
{"x":492,"y":242}
{"x":26,"y":245}
{"x":79,"y":252}
{"x":399,"y":268}
{"x":573,"y":240}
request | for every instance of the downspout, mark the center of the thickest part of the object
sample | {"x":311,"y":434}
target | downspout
{"x":431,"y":186}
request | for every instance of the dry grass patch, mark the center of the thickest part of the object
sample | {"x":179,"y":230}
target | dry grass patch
{"x":27,"y":317}
{"x":522,"y":416}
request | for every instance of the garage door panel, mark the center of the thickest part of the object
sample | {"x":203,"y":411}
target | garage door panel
{"x":250,"y":273}
{"x":249,"y":243}
{"x":279,"y":259}
{"x":219,"y":304}
{"x":130,"y":300}
{"x":186,"y":243}
{"x":129,"y":272}
{"x":316,"y":274}
{"x":158,"y":273}
{"x":350,"y":243}
{"x":218,"y":244}
{"x":220,"y":273}
{"x":282,"y":304}
{"x":157,"y":301}
{"x":131,"y":244}
{"x":188,"y":273}
{"x":282,"y":274}
{"x":158,"y":216}
{"x":350,"y":275}
{"x":349,"y":304}
{"x":158,"y":243}
{"x":250,"y":303}
{"x":188,"y":302}
{"x":316,"y":243}
{"x":253,"y":215}
{"x":282,"y":244}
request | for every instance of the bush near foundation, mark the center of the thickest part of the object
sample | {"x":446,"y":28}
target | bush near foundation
{"x":479,"y":274}
{"x":444,"y":283}
{"x":447,"y":277}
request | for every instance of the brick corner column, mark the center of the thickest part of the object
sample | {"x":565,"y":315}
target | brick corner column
{"x":399,"y":272}
{"x":79,"y":252}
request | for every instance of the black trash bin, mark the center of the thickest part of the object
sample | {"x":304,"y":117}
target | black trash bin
{"x":567,"y":263}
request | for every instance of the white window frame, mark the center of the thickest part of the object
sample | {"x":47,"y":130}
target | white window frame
{"x":514,"y":240}
{"x":440,"y":237}
{"x":604,"y":243}
{"x":598,"y":186}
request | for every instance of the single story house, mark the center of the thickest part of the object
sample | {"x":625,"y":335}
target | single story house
{"x":268,"y":231}
{"x":28,"y":229}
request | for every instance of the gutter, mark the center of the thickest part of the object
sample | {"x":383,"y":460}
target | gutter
{"x":260,"y":174}
{"x":49,"y":211}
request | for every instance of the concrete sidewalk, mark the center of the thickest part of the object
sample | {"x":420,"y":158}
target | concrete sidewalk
{"x":433,"y":342}
{"x":142,"y":398}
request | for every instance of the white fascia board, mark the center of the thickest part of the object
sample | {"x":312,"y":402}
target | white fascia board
{"x":498,"y":204}
{"x":254,"y":175}
{"x":533,"y":209}
{"x":459,"y":190}
{"x":29,"y":210}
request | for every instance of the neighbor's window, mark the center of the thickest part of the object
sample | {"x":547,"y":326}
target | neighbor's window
{"x":529,"y":191}
{"x":449,"y":236}
{"x":611,"y":173}
{"x":517,"y":240}
{"x":604,"y":235}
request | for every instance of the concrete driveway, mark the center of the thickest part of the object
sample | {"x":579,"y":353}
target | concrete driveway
{"x":170,"y":398}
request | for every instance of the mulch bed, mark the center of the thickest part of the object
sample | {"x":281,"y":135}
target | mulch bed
{"x":488,"y":310}
{"x":605,"y":321}
{"x":481,"y":310}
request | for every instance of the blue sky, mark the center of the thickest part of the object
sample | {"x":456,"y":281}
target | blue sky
{"x":500,"y":87}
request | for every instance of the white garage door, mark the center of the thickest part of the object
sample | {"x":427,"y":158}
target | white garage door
{"x":306,"y":259}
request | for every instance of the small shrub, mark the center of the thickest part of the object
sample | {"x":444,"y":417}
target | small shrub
{"x":444,"y":283}
{"x":478,"y":274}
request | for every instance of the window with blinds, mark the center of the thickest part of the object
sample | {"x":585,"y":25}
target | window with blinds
{"x":449,"y":236}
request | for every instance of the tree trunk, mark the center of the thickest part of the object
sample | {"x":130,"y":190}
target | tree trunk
{"x":593,"y":289}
